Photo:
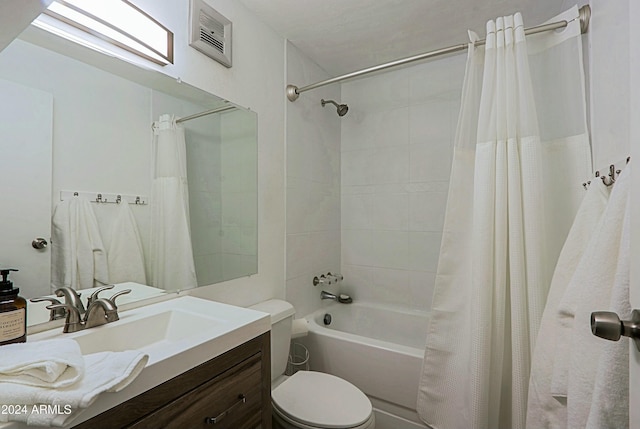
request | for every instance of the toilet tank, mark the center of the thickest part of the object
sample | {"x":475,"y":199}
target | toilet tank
{"x":281,"y":319}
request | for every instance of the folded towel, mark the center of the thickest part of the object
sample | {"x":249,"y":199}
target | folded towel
{"x":125,"y":255}
{"x":48,"y":363}
{"x":109,"y":372}
{"x":543,"y":410}
{"x":78,"y":257}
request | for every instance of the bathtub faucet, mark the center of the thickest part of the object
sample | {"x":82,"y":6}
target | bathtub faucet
{"x":342,"y":298}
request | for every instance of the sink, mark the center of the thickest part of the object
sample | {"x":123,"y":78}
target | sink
{"x":177,"y":334}
{"x":168,"y":328}
{"x":164,"y":329}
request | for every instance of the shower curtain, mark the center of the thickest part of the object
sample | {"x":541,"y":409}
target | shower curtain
{"x":171,"y":256}
{"x":521,"y":153}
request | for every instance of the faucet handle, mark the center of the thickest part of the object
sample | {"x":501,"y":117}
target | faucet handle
{"x":115,"y":295}
{"x":94,"y":295}
{"x":55,"y":314}
{"x":322,"y":280}
{"x":74,"y":320}
{"x":334,"y":277}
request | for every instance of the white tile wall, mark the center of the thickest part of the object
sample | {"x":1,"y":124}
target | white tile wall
{"x":396,"y":147}
{"x":313,"y":185}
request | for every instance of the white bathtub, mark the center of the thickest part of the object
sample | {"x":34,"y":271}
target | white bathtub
{"x":377,"y":348}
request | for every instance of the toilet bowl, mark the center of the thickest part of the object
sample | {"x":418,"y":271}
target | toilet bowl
{"x":309,"y":399}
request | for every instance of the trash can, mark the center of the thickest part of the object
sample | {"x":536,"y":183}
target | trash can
{"x":298,"y":359}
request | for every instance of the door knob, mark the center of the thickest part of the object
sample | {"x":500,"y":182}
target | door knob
{"x":607,"y":325}
{"x":39,"y":243}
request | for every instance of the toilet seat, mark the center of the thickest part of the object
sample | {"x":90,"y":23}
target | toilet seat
{"x":310,"y":399}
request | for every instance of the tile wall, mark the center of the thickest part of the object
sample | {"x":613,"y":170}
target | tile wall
{"x":396,"y":148}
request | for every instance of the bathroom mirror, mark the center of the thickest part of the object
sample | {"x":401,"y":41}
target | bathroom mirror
{"x":87,"y":128}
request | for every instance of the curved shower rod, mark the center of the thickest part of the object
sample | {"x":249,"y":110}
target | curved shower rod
{"x":293,"y":92}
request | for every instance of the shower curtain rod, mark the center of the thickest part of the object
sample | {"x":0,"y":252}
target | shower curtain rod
{"x":208,"y":112}
{"x":293,"y":92}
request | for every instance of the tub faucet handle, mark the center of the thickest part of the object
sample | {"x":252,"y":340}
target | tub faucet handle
{"x":322,"y":280}
{"x":335,"y":278}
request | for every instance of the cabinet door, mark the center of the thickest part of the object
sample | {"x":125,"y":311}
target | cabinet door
{"x":232,"y":400}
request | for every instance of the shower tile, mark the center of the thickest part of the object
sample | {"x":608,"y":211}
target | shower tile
{"x":421,"y":286}
{"x":356,"y":166}
{"x":325,"y":251}
{"x":376,"y":129}
{"x":298,"y":259}
{"x":302,"y":295}
{"x":380,"y":92}
{"x":436,"y":78}
{"x":426,"y":211}
{"x":356,"y":211}
{"x":390,"y":249}
{"x":424,"y":251}
{"x":431,"y":122}
{"x":390,"y":286}
{"x":390,"y":165}
{"x":390,"y":212}
{"x":312,"y":206}
{"x":357,"y":247}
{"x":430,"y":162}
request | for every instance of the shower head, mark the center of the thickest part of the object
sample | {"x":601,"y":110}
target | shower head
{"x":341,"y":108}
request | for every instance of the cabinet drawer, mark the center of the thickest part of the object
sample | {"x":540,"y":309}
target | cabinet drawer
{"x":231,"y":400}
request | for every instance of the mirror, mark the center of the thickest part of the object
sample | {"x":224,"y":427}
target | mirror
{"x":82,"y":122}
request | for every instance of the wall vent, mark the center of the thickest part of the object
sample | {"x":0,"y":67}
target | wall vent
{"x":210,"y":32}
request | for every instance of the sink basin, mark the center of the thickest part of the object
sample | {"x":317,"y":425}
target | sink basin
{"x":157,"y":329}
{"x":168,"y":328}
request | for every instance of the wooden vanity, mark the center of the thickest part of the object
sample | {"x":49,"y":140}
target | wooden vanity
{"x":231,"y":391}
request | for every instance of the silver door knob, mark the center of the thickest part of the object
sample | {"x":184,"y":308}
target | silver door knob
{"x":39,"y":243}
{"x":607,"y":325}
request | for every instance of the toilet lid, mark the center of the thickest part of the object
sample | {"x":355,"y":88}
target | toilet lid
{"x":321,"y":400}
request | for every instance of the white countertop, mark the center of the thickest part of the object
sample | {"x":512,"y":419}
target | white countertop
{"x":229,"y":327}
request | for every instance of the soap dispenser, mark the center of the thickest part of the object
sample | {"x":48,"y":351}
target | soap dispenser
{"x":13,"y":311}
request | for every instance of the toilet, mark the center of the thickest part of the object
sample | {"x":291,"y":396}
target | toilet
{"x":309,"y":399}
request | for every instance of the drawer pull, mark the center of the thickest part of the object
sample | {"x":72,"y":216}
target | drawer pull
{"x":213,"y":420}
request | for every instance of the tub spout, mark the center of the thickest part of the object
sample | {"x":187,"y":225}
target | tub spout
{"x":342,"y":298}
{"x":326,"y":295}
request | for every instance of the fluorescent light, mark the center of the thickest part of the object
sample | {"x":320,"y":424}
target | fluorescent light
{"x":117,"y":22}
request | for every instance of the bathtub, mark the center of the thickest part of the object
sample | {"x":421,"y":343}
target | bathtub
{"x":377,"y":348}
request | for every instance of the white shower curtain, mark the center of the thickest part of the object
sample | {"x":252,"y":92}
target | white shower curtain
{"x":520,"y":156}
{"x":171,"y":256}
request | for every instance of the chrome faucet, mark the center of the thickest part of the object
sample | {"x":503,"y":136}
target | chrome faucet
{"x":99,"y":311}
{"x":327,"y":295}
{"x":71,"y":298}
{"x":342,"y":298}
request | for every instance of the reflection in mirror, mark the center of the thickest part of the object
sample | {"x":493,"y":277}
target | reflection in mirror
{"x":71,"y":127}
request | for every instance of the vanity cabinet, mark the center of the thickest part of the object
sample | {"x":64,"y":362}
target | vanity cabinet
{"x":231,"y":391}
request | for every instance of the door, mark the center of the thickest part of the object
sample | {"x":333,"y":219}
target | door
{"x":26,"y":117}
{"x":634,"y":137}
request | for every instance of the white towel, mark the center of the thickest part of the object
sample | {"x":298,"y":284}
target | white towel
{"x":107,"y":372}
{"x":125,"y":255}
{"x":543,"y":410}
{"x":78,"y":257}
{"x":575,"y":363}
{"x":48,"y":363}
{"x":610,"y":399}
